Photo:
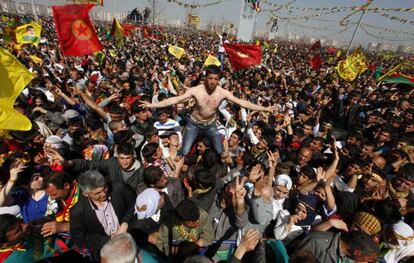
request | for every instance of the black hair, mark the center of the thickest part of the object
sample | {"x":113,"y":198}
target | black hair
{"x":152,"y":175}
{"x":167,"y":110}
{"x":136,"y":107}
{"x":6,"y":221}
{"x":187,"y":210}
{"x":407,"y":171}
{"x":204,"y":178}
{"x":212,"y":69}
{"x":75,"y":121}
{"x":115,"y":109}
{"x":149,"y":150}
{"x":125,"y":148}
{"x":309,"y":172}
{"x":151,"y":131}
{"x":388,"y":211}
{"x":210,"y":158}
{"x":58,"y":179}
{"x":358,"y":240}
{"x":239,"y":134}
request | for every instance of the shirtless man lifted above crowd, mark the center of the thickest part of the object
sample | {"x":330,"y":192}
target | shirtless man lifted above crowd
{"x":202,"y":121}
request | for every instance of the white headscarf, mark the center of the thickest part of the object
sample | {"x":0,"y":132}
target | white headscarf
{"x":146,"y":204}
{"x":284,"y":179}
{"x":405,"y":237}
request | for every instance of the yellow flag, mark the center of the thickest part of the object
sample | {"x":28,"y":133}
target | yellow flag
{"x":36,"y":59}
{"x":212,"y":60}
{"x":29,"y":34}
{"x":353,"y":65}
{"x":257,"y":42}
{"x":176,"y":51}
{"x":13,"y":78}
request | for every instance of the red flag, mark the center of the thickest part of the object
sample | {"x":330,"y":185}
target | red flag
{"x":331,"y":50}
{"x":316,"y":62}
{"x":128,"y":28}
{"x":316,"y":45}
{"x":75,"y":31}
{"x":243,"y":56}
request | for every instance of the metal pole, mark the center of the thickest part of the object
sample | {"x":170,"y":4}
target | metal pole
{"x":355,"y":31}
{"x":34,"y":9}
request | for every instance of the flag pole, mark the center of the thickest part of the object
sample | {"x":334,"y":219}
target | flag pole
{"x":355,"y":31}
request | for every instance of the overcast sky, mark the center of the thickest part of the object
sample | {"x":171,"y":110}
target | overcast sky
{"x":229,"y":11}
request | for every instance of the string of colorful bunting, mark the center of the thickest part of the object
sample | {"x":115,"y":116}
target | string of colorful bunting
{"x":306,"y":17}
{"x":186,"y":5}
{"x":384,"y":38}
{"x":394,"y":18}
{"x":344,"y":20}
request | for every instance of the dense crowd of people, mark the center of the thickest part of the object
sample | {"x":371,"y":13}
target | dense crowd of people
{"x":137,"y":156}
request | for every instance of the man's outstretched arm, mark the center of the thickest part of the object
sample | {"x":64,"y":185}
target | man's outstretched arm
{"x":246,"y":104}
{"x":168,"y":102}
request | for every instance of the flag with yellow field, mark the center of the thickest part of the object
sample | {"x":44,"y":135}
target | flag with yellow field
{"x":29,"y":34}
{"x":176,"y":51}
{"x":352,"y":66}
{"x":13,"y":78}
{"x":212,"y":60}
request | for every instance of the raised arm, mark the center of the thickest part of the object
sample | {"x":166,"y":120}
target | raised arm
{"x":246,"y":104}
{"x":170,"y":101}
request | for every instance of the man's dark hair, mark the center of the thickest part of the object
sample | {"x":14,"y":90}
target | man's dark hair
{"x":75,"y":121}
{"x":6,"y":221}
{"x":407,"y":172}
{"x":148,"y":151}
{"x":125,"y":148}
{"x":166,"y":110}
{"x":150,"y":132}
{"x":212,"y":69}
{"x":136,"y":108}
{"x":358,"y":240}
{"x":204,"y":178}
{"x":187,"y":210}
{"x":152,"y":175}
{"x":309,"y":172}
{"x":58,"y":179}
{"x":115,"y":109}
{"x":388,"y":211}
{"x":239,"y":134}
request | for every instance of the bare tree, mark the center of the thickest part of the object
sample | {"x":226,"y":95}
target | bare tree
{"x":157,"y":8}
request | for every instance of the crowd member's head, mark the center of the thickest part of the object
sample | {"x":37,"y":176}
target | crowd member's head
{"x":305,"y":210}
{"x":121,"y":248}
{"x":125,"y":156}
{"x":235,"y":138}
{"x":151,"y":135}
{"x":151,"y":152}
{"x":93,"y":185}
{"x":163,"y":114}
{"x":58,"y":185}
{"x":141,"y":113}
{"x":373,"y":181}
{"x":283,"y":184}
{"x":404,"y":182}
{"x":188,"y":213}
{"x":203,"y":144}
{"x":358,"y":245}
{"x":304,"y":156}
{"x":155,"y":177}
{"x":212,"y":78}
{"x":306,"y":175}
{"x":148,"y":203}
{"x":367,"y":223}
{"x":12,"y":231}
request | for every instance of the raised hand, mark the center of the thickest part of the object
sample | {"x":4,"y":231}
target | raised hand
{"x":17,"y":167}
{"x":55,"y":155}
{"x":144,"y":104}
{"x":255,"y":173}
{"x":240,"y":190}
